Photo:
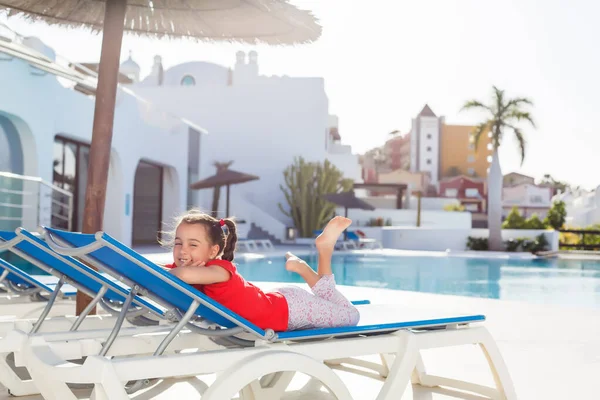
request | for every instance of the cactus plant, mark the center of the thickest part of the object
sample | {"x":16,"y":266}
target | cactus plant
{"x":305,"y":184}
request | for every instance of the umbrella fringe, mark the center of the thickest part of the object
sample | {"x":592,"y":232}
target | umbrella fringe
{"x":290,"y":24}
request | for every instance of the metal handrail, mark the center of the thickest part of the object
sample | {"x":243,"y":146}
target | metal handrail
{"x":35,"y":179}
{"x":45,"y":210}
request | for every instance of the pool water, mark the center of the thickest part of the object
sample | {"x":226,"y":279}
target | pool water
{"x":544,"y":281}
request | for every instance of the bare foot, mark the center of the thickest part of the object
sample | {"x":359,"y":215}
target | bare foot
{"x":299,"y":266}
{"x":295,"y":264}
{"x":334,"y":228}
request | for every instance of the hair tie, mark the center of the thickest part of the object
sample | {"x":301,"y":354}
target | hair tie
{"x":221,"y":222}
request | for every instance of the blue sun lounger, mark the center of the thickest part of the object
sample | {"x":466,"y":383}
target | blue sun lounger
{"x":397,"y":334}
{"x":19,"y":282}
{"x":70,"y":274}
{"x":68,"y":270}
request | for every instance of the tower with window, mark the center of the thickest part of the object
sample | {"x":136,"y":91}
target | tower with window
{"x":425,"y":143}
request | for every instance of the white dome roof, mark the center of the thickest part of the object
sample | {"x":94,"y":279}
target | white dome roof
{"x":129,"y":65}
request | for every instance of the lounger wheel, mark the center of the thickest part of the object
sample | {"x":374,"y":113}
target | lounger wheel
{"x":244,"y":377}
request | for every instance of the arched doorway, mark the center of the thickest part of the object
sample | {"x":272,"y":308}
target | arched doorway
{"x":11,"y":152}
{"x":147,"y":203}
{"x":11,"y":161}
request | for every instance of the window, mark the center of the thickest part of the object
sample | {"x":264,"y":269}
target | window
{"x":193,"y":164}
{"x":470,"y":171}
{"x":489,"y":159}
{"x":428,"y":161}
{"x":471,"y":158}
{"x":71,"y":159}
{"x":536,"y":199}
{"x":429,"y":136}
{"x":472,"y":207}
{"x":188,"y":80}
{"x":471,"y":145}
{"x":472,"y":192}
{"x":450,"y":192}
{"x":489,"y":146}
{"x":428,"y":148}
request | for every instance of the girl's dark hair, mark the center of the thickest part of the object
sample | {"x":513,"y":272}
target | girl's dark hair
{"x":214,"y":230}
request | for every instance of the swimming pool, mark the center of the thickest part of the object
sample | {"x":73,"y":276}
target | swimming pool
{"x":544,"y":281}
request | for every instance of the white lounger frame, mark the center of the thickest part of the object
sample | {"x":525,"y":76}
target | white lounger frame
{"x":252,"y":371}
{"x":132,"y":340}
{"x":14,"y":331}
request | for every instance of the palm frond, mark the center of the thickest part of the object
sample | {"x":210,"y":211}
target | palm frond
{"x":517,"y":101}
{"x":479,"y":130}
{"x":471,"y":104}
{"x":499,"y":102}
{"x":521,"y":142}
{"x":520,"y":116}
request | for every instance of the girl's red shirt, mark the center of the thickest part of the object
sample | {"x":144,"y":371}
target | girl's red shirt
{"x":265,"y":310}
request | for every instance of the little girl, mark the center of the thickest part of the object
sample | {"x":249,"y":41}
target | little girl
{"x":203,"y":256}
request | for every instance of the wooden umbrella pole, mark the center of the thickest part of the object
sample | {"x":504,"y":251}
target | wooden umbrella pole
{"x":104,"y":113}
{"x":346,"y":230}
{"x":227,"y":208}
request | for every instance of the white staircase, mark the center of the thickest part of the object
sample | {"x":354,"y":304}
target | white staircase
{"x":252,"y":214}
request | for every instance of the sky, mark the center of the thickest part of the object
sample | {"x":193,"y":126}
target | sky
{"x":383,"y":60}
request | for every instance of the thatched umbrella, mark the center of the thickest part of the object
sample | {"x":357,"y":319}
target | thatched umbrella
{"x":245,"y":21}
{"x":225,"y":177}
{"x":348,"y":200}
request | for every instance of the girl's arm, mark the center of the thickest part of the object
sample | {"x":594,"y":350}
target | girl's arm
{"x":200,"y":275}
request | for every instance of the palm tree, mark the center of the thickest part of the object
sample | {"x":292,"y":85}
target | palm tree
{"x":503,"y":115}
{"x":220,"y":166}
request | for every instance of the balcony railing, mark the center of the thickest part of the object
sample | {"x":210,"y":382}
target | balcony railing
{"x":29,"y":202}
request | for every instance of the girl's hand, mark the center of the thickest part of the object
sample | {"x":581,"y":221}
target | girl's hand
{"x":194,"y":264}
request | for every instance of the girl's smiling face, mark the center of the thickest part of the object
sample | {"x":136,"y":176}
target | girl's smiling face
{"x":192,"y":245}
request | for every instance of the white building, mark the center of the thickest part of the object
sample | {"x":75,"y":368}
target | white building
{"x":45,"y":133}
{"x":528,"y":198}
{"x":582,"y":207}
{"x":425,"y":144}
{"x":261,"y":123}
{"x":158,"y":149}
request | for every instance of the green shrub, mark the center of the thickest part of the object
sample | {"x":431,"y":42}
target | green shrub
{"x":557,"y":215}
{"x":514,"y":220}
{"x":513,"y":245}
{"x":454,"y":207}
{"x":534,"y":222}
{"x":527,"y":244}
{"x":477,"y":243}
